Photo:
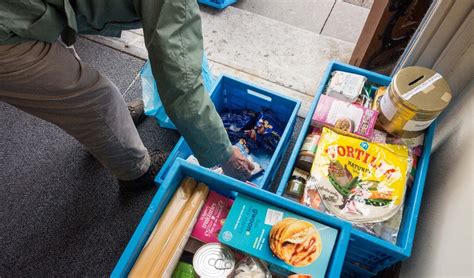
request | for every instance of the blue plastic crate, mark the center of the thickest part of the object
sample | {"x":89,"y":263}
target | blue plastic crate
{"x":367,"y":254}
{"x":229,"y":92}
{"x":218,"y":4}
{"x":229,"y":187}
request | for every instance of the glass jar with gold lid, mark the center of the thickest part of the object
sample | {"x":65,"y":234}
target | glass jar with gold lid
{"x":414,"y":99}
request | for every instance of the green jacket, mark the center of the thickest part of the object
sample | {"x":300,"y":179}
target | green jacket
{"x":173,"y":37}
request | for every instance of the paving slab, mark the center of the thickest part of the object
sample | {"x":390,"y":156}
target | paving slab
{"x":283,"y":54}
{"x":363,"y":3}
{"x":346,"y":22}
{"x":306,"y":14}
{"x":250,"y":45}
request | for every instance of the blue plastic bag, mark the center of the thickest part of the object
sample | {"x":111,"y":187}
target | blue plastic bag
{"x":153,"y":105}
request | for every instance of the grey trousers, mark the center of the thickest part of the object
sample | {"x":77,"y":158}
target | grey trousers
{"x":49,"y":82}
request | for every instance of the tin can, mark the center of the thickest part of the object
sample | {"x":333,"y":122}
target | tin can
{"x":213,"y":260}
{"x":414,"y":99}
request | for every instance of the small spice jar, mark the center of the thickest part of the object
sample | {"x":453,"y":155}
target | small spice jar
{"x":295,"y":187}
{"x":414,"y":99}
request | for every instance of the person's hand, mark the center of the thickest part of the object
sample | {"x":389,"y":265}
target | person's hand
{"x":238,"y":166}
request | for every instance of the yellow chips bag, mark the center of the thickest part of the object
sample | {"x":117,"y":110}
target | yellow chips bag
{"x":357,"y":180}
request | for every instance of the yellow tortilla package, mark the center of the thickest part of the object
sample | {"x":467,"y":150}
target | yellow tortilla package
{"x":357,"y":180}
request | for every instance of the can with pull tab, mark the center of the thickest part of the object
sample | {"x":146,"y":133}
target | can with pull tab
{"x":213,"y":260}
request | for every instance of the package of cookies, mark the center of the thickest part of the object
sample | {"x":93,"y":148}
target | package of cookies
{"x":282,"y":239}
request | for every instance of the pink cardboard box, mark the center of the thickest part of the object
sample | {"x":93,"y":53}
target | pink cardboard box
{"x":212,"y":217}
{"x":345,"y":117}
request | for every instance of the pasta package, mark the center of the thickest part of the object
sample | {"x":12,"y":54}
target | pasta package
{"x":360,"y":181}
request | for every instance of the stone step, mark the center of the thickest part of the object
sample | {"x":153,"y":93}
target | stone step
{"x":272,"y":50}
{"x":270,"y":53}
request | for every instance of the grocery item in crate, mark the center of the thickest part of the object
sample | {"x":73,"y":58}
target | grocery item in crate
{"x":214,"y":260}
{"x":345,"y":86}
{"x":295,"y":187}
{"x":250,"y":267}
{"x":414,"y":99}
{"x":415,"y":144}
{"x":193,"y":160}
{"x":305,"y":245}
{"x":295,"y":241}
{"x":298,"y":178}
{"x":357,"y":180}
{"x":242,"y":146}
{"x":236,"y":121}
{"x":311,"y":197}
{"x":377,"y":97}
{"x":184,"y":270}
{"x":379,"y":137}
{"x":308,"y":150}
{"x":212,"y":217}
{"x":267,"y":131}
{"x":365,"y":99}
{"x":259,"y":130}
{"x":161,"y":253}
{"x":386,"y":230}
{"x":348,"y":118}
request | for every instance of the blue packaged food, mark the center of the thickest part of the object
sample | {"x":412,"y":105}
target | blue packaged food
{"x":279,"y":237}
{"x":267,"y":131}
{"x":238,"y":120}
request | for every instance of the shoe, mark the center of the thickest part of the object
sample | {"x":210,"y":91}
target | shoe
{"x":147,"y":180}
{"x":137,"y":110}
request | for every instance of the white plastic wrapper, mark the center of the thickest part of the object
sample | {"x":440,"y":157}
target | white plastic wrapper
{"x":250,"y":267}
{"x":345,"y":86}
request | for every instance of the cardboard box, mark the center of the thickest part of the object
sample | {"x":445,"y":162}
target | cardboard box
{"x":248,"y":227}
{"x":211,"y":217}
{"x":345,"y":117}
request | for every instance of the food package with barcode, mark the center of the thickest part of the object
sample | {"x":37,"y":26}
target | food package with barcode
{"x":279,"y":237}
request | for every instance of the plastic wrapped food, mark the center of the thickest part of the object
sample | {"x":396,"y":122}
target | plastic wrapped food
{"x":164,"y":246}
{"x":250,"y":267}
{"x":238,"y":120}
{"x":242,"y":146}
{"x":386,"y":230}
{"x":267,"y":131}
{"x":345,"y":86}
{"x":359,"y":181}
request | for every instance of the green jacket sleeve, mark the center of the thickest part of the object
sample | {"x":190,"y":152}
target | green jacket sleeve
{"x":173,"y":37}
